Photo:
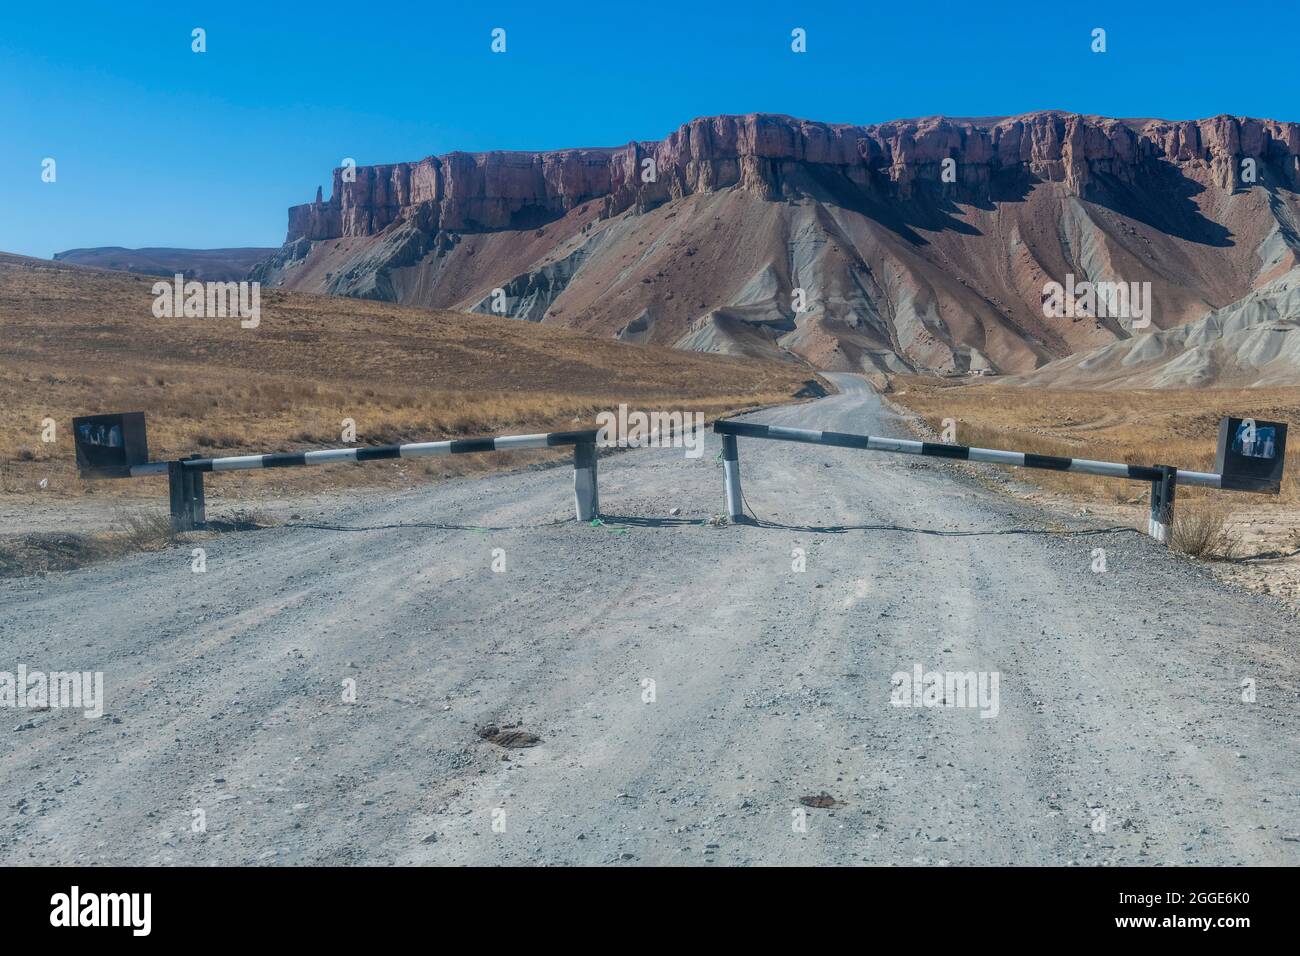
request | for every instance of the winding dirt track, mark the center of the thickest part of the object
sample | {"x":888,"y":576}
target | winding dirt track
{"x":1119,"y":693}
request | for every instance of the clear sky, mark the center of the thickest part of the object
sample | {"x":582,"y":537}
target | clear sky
{"x":156,"y":145}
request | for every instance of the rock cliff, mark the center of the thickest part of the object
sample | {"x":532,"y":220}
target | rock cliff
{"x":920,"y":244}
{"x":763,"y":153}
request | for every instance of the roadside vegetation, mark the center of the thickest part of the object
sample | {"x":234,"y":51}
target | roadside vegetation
{"x":132,"y":532}
{"x":1146,"y":427}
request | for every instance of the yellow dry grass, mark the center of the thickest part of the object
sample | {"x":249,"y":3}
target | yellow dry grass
{"x":1252,"y":538}
{"x":1145,"y":427}
{"x":79,"y":341}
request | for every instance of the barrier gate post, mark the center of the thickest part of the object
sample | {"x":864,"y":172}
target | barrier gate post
{"x":1163,"y":490}
{"x":731,"y":464}
{"x":180,"y":493}
{"x":198,"y":501}
{"x":185,"y":493}
{"x":586,"y":494}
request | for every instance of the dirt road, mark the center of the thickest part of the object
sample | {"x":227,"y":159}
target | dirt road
{"x":1119,"y":733}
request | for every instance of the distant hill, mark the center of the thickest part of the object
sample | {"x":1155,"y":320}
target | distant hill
{"x":205,"y":265}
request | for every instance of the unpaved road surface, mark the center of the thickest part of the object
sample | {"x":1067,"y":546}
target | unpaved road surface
{"x":1121,"y":733}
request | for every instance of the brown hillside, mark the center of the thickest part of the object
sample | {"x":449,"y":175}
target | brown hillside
{"x":79,"y":341}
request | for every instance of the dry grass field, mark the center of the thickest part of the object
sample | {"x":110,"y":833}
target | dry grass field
{"x":1255,"y":538}
{"x":1148,"y":427}
{"x":80,"y":341}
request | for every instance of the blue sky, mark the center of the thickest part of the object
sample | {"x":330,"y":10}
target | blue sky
{"x":157,"y":145}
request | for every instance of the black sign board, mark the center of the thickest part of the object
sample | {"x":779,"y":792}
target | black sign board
{"x":108,"y":445}
{"x":1251,"y":454}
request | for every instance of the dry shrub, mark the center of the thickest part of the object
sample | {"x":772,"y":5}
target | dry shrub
{"x":1200,"y":531}
{"x":45,"y":552}
{"x":216,"y":440}
{"x":144,"y":530}
{"x":13,"y":559}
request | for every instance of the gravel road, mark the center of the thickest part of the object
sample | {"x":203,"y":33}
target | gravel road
{"x":1120,"y":735}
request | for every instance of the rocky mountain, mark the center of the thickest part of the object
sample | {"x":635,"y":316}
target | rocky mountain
{"x":202,"y":265}
{"x":912,"y":245}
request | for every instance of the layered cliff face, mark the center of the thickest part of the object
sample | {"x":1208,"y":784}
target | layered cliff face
{"x":921,"y":244}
